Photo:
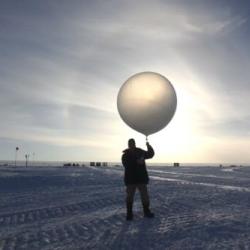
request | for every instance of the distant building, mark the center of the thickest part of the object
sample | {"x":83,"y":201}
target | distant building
{"x":98,"y":164}
{"x":176,"y":164}
{"x":67,"y":164}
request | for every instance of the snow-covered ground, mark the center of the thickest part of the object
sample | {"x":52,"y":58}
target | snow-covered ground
{"x":83,"y":208}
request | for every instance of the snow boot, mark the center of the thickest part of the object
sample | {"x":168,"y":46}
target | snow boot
{"x":129,"y":211}
{"x":147,"y":212}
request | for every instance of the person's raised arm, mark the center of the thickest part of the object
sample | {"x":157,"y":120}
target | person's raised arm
{"x":150,"y":152}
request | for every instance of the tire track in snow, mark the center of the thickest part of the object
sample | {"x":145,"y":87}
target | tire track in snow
{"x":37,"y":215}
{"x":86,"y":234}
{"x":226,"y":187}
{"x":198,"y":175}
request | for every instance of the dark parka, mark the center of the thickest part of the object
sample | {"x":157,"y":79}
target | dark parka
{"x":133,"y":161}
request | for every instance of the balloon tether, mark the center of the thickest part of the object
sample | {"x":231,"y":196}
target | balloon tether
{"x":146,"y":138}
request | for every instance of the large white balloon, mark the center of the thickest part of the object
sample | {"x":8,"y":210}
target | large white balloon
{"x":147,"y":102}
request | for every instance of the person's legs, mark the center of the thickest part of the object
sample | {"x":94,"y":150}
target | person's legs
{"x":145,"y":200}
{"x":130,"y":189}
{"x":144,"y":194}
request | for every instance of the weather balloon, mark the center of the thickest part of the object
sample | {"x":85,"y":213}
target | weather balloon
{"x":147,"y":102}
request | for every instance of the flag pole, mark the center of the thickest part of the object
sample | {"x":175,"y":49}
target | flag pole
{"x":17,"y":148}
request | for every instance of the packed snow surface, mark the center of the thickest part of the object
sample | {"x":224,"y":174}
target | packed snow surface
{"x":84,"y":208}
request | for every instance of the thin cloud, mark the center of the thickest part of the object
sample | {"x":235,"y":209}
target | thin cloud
{"x":62,"y":65}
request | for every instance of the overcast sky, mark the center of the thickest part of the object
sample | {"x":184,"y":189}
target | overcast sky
{"x":62,"y":64}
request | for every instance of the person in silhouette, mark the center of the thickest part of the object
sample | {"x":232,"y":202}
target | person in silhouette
{"x":136,"y":176}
